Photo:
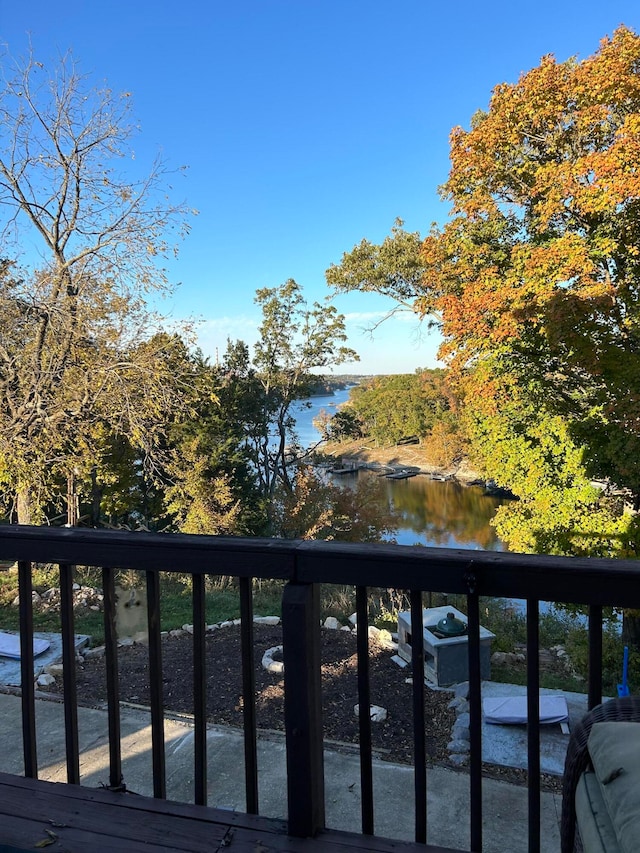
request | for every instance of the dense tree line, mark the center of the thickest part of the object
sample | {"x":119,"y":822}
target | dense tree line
{"x":421,"y":407}
{"x":106,"y":419}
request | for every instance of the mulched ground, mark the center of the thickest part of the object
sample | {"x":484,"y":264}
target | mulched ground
{"x":392,"y":739}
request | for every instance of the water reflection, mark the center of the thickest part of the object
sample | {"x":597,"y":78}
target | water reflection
{"x":446,"y":515}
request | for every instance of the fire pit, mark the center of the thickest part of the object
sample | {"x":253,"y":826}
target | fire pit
{"x":446,"y":648}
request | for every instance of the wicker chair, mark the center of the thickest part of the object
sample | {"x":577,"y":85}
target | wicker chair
{"x":626,"y":709}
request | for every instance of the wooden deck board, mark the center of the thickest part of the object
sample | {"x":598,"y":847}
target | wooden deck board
{"x":88,"y":820}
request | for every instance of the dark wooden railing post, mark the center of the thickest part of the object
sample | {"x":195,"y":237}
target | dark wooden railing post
{"x":155,"y":687}
{"x":595,"y":656}
{"x":69,"y":674}
{"x":364,"y":719}
{"x":533,"y":721}
{"x":26,"y":670}
{"x":199,"y":691}
{"x":475,"y":710}
{"x":249,"y":694}
{"x":303,"y":708}
{"x":419,"y":736}
{"x":116,"y":781}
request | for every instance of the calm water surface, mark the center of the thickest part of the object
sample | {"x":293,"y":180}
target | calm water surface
{"x":447,"y":515}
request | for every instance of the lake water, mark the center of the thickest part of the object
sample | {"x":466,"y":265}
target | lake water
{"x":446,"y":515}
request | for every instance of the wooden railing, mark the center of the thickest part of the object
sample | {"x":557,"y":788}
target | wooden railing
{"x":303,"y":566}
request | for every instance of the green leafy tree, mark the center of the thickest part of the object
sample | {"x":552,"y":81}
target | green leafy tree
{"x":395,"y":407}
{"x":530,"y":450}
{"x":394,"y":268}
{"x":342,"y":426}
{"x":536,"y":273}
{"x":72,"y":329}
{"x":295,"y":339}
{"x":210,"y":485}
{"x":535,"y":279}
{"x":540,"y":259}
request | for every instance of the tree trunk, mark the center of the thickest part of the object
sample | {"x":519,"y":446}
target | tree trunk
{"x":72,"y":501}
{"x":96,"y":498}
{"x":23,"y":506}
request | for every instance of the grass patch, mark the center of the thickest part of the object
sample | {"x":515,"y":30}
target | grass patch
{"x":549,"y":680}
{"x":222,"y":600}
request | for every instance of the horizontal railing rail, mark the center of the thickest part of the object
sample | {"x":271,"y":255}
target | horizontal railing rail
{"x":574,"y":580}
{"x":303,"y":566}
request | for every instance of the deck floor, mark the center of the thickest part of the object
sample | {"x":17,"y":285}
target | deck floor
{"x":52,"y":816}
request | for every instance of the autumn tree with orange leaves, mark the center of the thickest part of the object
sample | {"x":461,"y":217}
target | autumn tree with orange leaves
{"x":534,"y":282}
{"x":541,"y":258}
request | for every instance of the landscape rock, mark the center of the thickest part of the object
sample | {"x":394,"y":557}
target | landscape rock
{"x":45,"y":680}
{"x":459,"y":746}
{"x":461,"y":691}
{"x":83,"y":596}
{"x":177,"y":632}
{"x":35,"y":598}
{"x":511,"y":658}
{"x":268,"y":660}
{"x":331,"y":622}
{"x":188,"y":629}
{"x":460,"y":732}
{"x":373,"y":632}
{"x":459,"y":759}
{"x":463,"y":720}
{"x":386,"y":640}
{"x":353,"y":619}
{"x":54,"y":669}
{"x":377,"y":713}
{"x":346,"y":628}
{"x":95,"y":653}
{"x":266,"y":620}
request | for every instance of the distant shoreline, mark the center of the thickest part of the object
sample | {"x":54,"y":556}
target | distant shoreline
{"x":399,"y":458}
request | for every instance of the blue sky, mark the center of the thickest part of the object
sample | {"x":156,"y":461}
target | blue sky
{"x":306,"y":126}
